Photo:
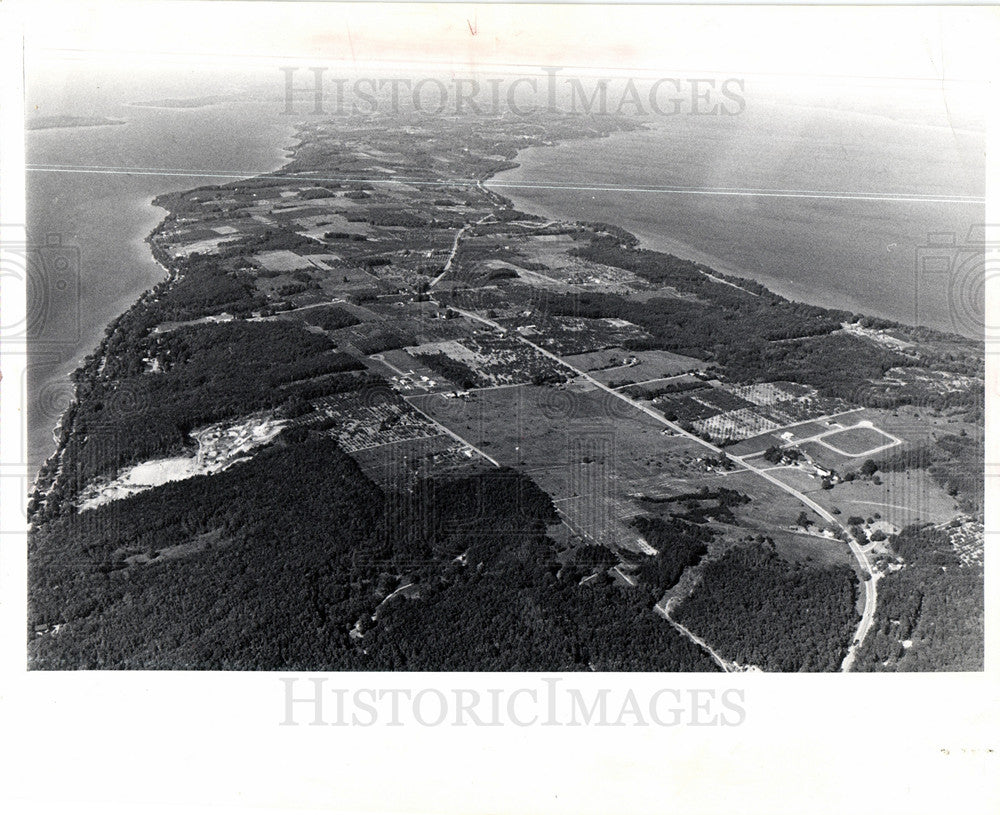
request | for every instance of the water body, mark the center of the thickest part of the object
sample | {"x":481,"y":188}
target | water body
{"x":94,"y":197}
{"x":92,"y":204}
{"x":821,"y":235}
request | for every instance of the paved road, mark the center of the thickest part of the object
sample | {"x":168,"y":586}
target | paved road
{"x":867,"y":615}
{"x":454,"y":435}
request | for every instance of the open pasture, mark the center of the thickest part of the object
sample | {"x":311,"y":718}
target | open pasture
{"x":588,"y":449}
{"x":862,"y":439}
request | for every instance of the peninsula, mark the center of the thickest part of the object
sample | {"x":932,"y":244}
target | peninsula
{"x":375,"y":418}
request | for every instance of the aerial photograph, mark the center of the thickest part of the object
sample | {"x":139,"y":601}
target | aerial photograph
{"x":434,"y":342}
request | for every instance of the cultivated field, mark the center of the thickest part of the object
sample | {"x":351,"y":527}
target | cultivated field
{"x":397,"y":466}
{"x":900,"y":499}
{"x":562,"y":438}
{"x":862,"y":439}
{"x":643,"y":365}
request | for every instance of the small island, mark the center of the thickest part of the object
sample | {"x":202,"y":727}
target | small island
{"x":191,"y":102}
{"x":51,"y":122}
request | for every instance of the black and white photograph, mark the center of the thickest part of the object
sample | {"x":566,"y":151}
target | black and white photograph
{"x":505,"y":366}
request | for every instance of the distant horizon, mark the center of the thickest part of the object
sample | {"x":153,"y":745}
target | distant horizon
{"x":937,"y":44}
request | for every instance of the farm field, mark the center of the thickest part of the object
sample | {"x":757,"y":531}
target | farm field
{"x":609,"y":365}
{"x":902,"y":498}
{"x":397,"y":466}
{"x":561,"y":437}
{"x":378,"y":418}
{"x":859,"y":440}
{"x":491,"y":360}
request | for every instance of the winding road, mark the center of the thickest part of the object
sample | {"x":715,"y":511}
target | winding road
{"x":868,"y":578}
{"x":454,"y":248}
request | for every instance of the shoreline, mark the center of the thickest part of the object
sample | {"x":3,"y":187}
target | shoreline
{"x":143,"y":238}
{"x":668,"y":245}
{"x":641,"y":242}
{"x":789,"y":288}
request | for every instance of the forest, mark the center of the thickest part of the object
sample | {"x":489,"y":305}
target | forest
{"x":756,"y":335}
{"x":271,"y":564}
{"x":758,"y":609}
{"x":330,"y":318}
{"x":207,"y":373}
{"x":680,"y":545}
{"x":741,"y":338}
{"x":930,"y":614}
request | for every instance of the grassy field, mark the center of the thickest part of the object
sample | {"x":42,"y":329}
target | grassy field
{"x":770,"y":509}
{"x":651,"y":365}
{"x":757,"y":444}
{"x":594,"y":470}
{"x":901,"y":499}
{"x":811,"y":549}
{"x":562,"y":438}
{"x":395,"y":466}
{"x":825,"y":457}
{"x":809,"y":429}
{"x":858,"y":440}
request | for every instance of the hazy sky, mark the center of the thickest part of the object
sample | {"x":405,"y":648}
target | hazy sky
{"x":913,"y":43}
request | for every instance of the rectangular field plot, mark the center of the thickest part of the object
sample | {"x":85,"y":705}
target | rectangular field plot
{"x":599,"y":360}
{"x":807,"y":430}
{"x":583,"y":446}
{"x":734,"y":413}
{"x":488,"y":360}
{"x":755,"y":445}
{"x":282,"y":260}
{"x":787,"y":403}
{"x":645,"y":365}
{"x":370,"y":419}
{"x":863,"y":439}
{"x":407,"y":375}
{"x":771,"y":393}
{"x":735,"y":424}
{"x":397,"y":466}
